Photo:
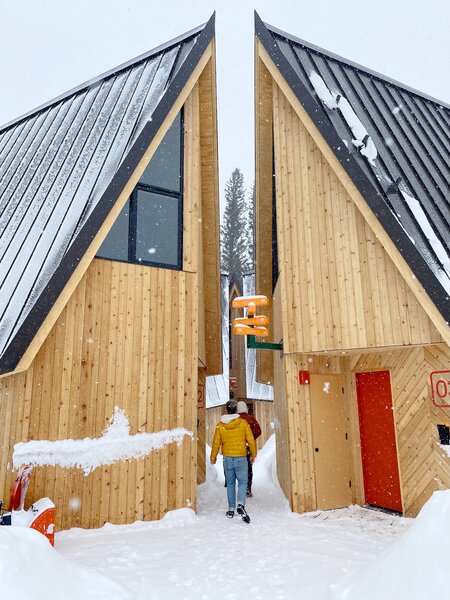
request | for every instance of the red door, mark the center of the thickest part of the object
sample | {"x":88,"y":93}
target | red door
{"x":378,"y":448}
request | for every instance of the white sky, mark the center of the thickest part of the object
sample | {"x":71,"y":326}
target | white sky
{"x":49,"y":46}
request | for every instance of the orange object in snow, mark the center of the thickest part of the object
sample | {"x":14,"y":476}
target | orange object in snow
{"x":44,"y":521}
{"x":40,"y":516}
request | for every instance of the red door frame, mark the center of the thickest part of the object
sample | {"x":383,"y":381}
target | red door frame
{"x":378,"y":441}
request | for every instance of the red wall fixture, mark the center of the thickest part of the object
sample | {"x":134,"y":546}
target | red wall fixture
{"x":378,"y":446}
{"x":303,"y":377}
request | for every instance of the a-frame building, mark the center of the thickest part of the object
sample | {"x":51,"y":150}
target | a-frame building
{"x":353,"y":245}
{"x":109,"y":277}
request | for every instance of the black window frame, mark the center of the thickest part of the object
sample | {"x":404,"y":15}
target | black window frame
{"x":132,"y":219}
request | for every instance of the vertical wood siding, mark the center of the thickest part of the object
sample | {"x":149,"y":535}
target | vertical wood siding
{"x":210,"y":218}
{"x":437,"y":358}
{"x":341,"y":289}
{"x":264,"y":195}
{"x":201,"y":429}
{"x":127,"y":337}
{"x":124,"y":339}
{"x":423,"y":466}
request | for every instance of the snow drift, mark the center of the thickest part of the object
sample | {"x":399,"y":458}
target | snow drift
{"x":414,"y":567}
{"x":31,"y":568}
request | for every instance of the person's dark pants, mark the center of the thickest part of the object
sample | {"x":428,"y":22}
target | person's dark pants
{"x":250,"y":472}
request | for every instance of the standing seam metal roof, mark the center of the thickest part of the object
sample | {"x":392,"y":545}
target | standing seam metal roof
{"x":63,"y":166}
{"x":402,"y":164}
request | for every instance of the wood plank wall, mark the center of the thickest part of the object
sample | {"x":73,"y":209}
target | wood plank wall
{"x":341,"y":289}
{"x":295,"y":448}
{"x":423,"y":465}
{"x":264,"y":413}
{"x":437,"y":358}
{"x":201,"y":427}
{"x":126,"y":338}
{"x":213,"y":415}
{"x":210,"y":218}
{"x":263,"y":212}
{"x":282,"y":414}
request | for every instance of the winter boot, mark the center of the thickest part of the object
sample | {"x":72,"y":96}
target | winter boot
{"x":241,"y":511}
{"x":230,"y":514}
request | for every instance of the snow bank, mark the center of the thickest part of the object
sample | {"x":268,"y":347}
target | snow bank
{"x":415,"y":567}
{"x":87,"y":454}
{"x":31,"y":568}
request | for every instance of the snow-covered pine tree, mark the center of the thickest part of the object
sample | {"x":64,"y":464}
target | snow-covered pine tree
{"x":234,"y":239}
{"x":251,"y":229}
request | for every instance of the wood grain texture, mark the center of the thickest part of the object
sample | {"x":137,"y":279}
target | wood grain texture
{"x":341,"y":289}
{"x":127,"y":336}
{"x":425,"y":302}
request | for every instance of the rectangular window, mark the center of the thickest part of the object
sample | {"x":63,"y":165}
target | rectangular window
{"x":149,"y":228}
{"x":163,"y":170}
{"x":115,"y":245}
{"x":157,"y":228}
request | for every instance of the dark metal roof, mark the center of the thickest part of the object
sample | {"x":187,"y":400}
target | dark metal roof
{"x":63,"y":166}
{"x":392,"y":140}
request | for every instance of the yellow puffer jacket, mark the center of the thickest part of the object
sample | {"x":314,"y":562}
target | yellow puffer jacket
{"x":233,"y":434}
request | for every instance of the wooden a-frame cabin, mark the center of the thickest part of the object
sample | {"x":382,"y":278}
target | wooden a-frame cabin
{"x":109,"y":286}
{"x":353,"y":245}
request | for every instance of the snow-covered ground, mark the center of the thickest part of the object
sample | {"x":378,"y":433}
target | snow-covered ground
{"x":340,"y":554}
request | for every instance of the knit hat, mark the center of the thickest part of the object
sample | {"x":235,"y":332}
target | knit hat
{"x":242,"y":407}
{"x":231,"y":407}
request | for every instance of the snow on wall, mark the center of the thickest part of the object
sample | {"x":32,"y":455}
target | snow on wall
{"x":114,"y":445}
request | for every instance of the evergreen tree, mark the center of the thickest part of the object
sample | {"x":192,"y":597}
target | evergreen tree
{"x":234,"y":236}
{"x":251,"y":233}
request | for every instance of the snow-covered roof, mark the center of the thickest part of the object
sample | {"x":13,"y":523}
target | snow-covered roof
{"x":255,"y":390}
{"x":218,"y":386}
{"x":393,"y":141}
{"x":62,"y":168}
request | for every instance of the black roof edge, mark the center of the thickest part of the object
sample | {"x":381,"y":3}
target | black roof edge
{"x":29,"y":328}
{"x":350,"y":63}
{"x":107,"y":74}
{"x":375,"y":201}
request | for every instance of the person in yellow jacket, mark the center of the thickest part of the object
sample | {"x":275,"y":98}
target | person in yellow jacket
{"x":231,"y":436}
